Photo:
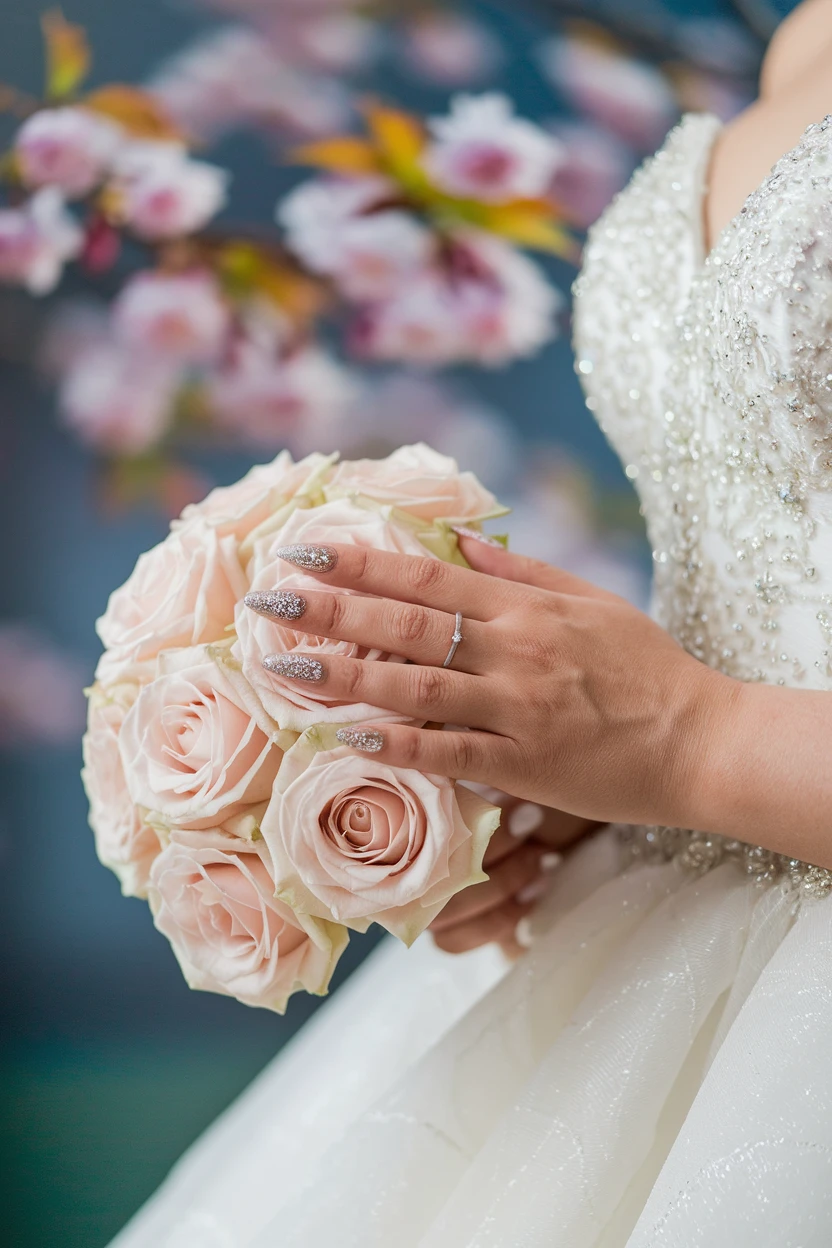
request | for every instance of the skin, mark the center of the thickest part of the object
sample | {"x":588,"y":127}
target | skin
{"x":575,"y":699}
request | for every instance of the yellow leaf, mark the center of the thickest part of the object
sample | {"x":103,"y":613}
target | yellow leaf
{"x":346,"y":154}
{"x":68,"y":56}
{"x":400,"y":140}
{"x":136,"y":110}
{"x":247,"y":269}
{"x":529,"y":227}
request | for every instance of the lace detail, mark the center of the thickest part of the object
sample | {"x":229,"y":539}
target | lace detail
{"x":712,"y":377}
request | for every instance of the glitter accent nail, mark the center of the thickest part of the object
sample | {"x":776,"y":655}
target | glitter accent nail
{"x":525,"y":819}
{"x":296,"y":667}
{"x":551,"y":861}
{"x":366,"y":739}
{"x":310,"y":558}
{"x":462,"y":530}
{"x":523,"y":933}
{"x":278,"y":604}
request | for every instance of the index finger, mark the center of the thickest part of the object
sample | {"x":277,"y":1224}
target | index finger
{"x":428,"y":581}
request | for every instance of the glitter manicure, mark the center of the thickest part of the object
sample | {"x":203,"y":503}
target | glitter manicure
{"x":462,"y":530}
{"x":310,"y":558}
{"x":366,"y":739}
{"x":295,"y":666}
{"x":278,"y":604}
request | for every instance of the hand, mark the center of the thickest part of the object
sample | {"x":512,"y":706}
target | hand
{"x":520,"y":861}
{"x":571,"y":696}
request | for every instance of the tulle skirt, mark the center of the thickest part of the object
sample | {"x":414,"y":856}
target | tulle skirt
{"x":655,"y":1073}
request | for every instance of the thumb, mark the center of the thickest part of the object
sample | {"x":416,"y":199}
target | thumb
{"x":492,"y":558}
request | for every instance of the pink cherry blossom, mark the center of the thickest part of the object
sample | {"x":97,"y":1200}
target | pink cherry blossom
{"x":596,"y":165}
{"x":70,"y":148}
{"x":482,"y":151}
{"x":450,"y":49}
{"x":267,"y":402}
{"x":180,"y":317}
{"x":235,"y":76}
{"x":490,"y":305}
{"x":117,"y":401}
{"x":631,"y":98}
{"x":37,"y":240}
{"x":336,"y":43}
{"x":316,"y":214}
{"x":41,"y":689}
{"x":379,"y":253}
{"x":161,"y":193}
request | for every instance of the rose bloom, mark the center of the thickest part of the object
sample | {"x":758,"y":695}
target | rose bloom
{"x":118,"y":402}
{"x":360,"y":842}
{"x":482,"y":151}
{"x":160,"y":193}
{"x":265,"y":401}
{"x":181,"y":593}
{"x":180,"y":316}
{"x":123,"y":841}
{"x":212,"y":896}
{"x":418,"y":480}
{"x":291,"y":705}
{"x":70,"y":148}
{"x":631,"y":98}
{"x":192,"y":754}
{"x":239,"y":508}
{"x":37,"y":240}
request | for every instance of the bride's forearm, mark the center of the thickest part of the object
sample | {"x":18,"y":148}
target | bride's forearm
{"x":764,"y":771}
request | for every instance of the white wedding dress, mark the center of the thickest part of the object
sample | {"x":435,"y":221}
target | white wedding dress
{"x":657,"y":1071}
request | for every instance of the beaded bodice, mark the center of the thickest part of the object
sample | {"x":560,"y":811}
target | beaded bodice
{"x":712,"y":377}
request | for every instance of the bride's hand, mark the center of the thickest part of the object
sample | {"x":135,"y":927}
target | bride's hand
{"x":520,"y":860}
{"x":574,"y":698}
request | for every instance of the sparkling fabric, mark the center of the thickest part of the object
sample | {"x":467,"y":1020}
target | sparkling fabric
{"x":654,"y":1073}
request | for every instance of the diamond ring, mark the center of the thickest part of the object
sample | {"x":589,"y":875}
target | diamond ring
{"x":455,"y":640}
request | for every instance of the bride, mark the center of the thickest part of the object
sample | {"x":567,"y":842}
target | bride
{"x":655,"y":1070}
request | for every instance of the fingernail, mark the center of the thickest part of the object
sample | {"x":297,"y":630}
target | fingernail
{"x":462,"y":530}
{"x":295,"y":666}
{"x":310,"y":558}
{"x":523,"y":933}
{"x":534,"y":891}
{"x":524,"y":819}
{"x":279,"y":604}
{"x":366,"y":739}
{"x":551,"y":861}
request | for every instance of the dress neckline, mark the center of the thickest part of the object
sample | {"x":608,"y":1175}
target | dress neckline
{"x":704,"y":256}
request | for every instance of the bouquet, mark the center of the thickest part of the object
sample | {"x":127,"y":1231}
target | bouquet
{"x":221,"y":794}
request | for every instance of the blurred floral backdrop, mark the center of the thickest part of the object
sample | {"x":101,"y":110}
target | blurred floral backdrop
{"x":229,"y":227}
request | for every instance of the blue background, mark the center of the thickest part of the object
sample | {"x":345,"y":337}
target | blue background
{"x":110,"y":1065}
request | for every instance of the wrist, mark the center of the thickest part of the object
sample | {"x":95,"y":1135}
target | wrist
{"x":708,"y":732}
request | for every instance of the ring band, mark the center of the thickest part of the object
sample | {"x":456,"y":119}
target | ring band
{"x":455,"y":640}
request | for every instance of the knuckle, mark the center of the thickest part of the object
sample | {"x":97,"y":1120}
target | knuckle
{"x":428,"y":687}
{"x":427,"y":574}
{"x":362,"y":566}
{"x":410,"y":749}
{"x":463,"y":753}
{"x":409,"y":624}
{"x":353,"y":679}
{"x":333,"y":612}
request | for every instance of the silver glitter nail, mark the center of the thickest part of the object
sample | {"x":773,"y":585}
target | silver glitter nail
{"x":278,"y":604}
{"x":523,"y":933}
{"x":462,"y":530}
{"x":295,"y":666}
{"x":366,"y":739}
{"x":310,"y":558}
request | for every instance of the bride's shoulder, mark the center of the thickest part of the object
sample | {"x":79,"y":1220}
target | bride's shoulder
{"x":796,"y":45}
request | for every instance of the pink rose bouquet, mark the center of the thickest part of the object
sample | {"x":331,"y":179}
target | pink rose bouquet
{"x":220,"y":793}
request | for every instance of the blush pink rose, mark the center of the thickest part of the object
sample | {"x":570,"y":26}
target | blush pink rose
{"x":238,"y":509}
{"x":192,"y":754}
{"x":212,"y":896}
{"x":181,"y":593}
{"x":123,"y":841}
{"x":357,"y":841}
{"x":290,"y":705}
{"x":418,"y":480}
